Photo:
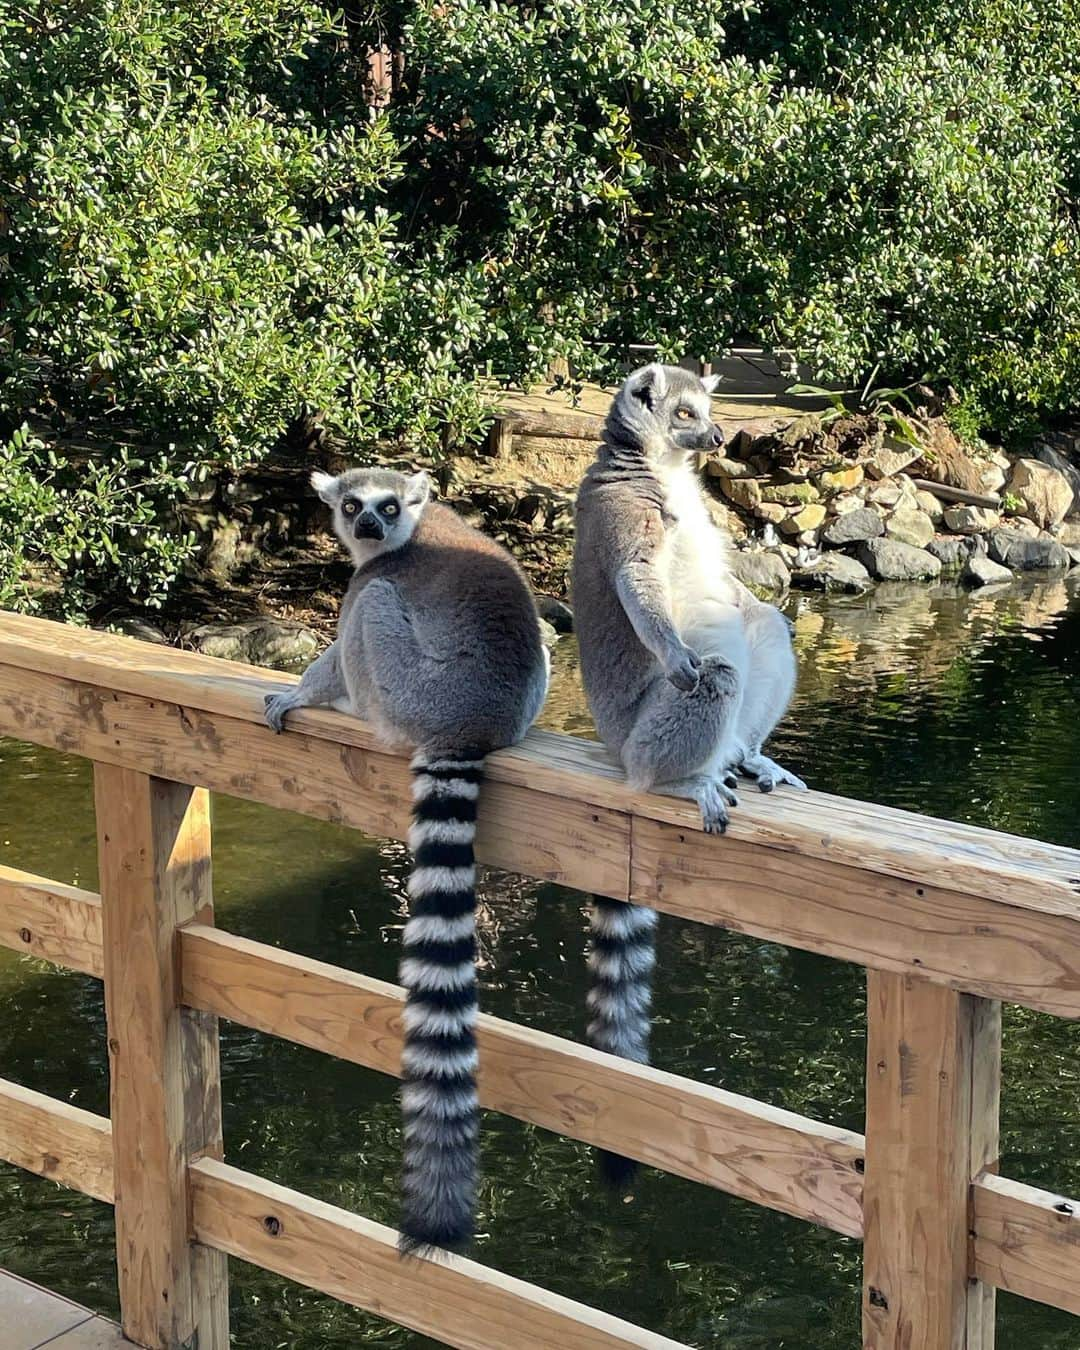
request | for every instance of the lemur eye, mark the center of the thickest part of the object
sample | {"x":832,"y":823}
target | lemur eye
{"x":349,"y":508}
{"x":391,"y":509}
{"x":683,"y":414}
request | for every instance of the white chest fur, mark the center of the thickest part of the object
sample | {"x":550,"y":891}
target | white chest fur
{"x":696,"y":551}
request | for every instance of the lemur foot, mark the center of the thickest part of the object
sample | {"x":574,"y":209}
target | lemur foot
{"x":714,"y":797}
{"x":769,"y":774}
{"x":277,"y":706}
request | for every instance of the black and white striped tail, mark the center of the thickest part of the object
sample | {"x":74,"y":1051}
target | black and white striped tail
{"x":621,"y":960}
{"x":438,"y":969}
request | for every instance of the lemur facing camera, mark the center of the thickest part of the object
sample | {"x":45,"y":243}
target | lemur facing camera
{"x":438,"y":647}
{"x":686,"y":672}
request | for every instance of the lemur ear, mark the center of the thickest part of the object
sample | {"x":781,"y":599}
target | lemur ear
{"x":325,"y":484}
{"x":417,"y":489}
{"x":710,"y":382}
{"x":648,"y":384}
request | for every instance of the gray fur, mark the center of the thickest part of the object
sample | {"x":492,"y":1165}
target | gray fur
{"x":438,"y":647}
{"x":685,"y":671}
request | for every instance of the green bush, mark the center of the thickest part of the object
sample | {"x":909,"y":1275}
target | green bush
{"x":864,"y":182}
{"x":70,"y":530}
{"x":204,"y":232}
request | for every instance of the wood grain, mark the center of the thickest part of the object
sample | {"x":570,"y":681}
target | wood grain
{"x":1027,"y":1241}
{"x":154,"y":864}
{"x":933,"y":1059}
{"x":536,"y":834}
{"x":353,"y":1259}
{"x":56,"y":1140}
{"x":771,"y":1157}
{"x":978,"y":945}
{"x":51,"y":921}
{"x":900,"y":844}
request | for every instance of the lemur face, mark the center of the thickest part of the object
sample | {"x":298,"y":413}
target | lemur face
{"x":670,"y":410}
{"x":375,"y":510}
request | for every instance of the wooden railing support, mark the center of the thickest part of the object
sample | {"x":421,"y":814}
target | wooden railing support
{"x":165,"y":1081}
{"x":932,"y":1087}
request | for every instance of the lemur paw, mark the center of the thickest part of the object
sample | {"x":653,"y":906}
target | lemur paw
{"x":683,"y":669}
{"x":769,"y":774}
{"x":714,"y":800}
{"x":277,"y":705}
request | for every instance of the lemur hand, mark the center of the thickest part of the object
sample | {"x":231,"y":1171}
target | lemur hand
{"x":682,"y":667}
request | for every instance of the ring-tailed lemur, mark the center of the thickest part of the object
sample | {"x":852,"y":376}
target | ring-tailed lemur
{"x":686,"y":672}
{"x":439,"y":647}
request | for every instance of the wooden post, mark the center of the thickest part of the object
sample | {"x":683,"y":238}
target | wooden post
{"x":165,"y":1082}
{"x":932,"y":1082}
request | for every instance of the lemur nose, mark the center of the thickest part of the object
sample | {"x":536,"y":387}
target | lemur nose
{"x":367,"y":526}
{"x":717,"y":435}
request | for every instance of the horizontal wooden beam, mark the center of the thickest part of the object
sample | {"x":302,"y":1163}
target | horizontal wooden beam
{"x":56,"y":1140}
{"x":51,"y":921}
{"x":196,"y":689}
{"x":356,"y":1260}
{"x":976,"y":946}
{"x":747,"y":1148}
{"x":1027,"y":1241}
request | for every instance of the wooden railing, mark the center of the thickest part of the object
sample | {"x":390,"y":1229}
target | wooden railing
{"x":948,"y":920}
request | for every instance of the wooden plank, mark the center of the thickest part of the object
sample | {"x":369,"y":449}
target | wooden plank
{"x":974,"y":944}
{"x":51,"y":921}
{"x":1021,"y":872}
{"x":56,"y":1140}
{"x":765,"y":1155}
{"x":557,"y":839}
{"x":154,"y":864}
{"x":933,"y":1059}
{"x":1027,"y":1241}
{"x":353,"y":1259}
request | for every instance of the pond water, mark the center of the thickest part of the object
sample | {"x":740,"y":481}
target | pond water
{"x":923,"y":698}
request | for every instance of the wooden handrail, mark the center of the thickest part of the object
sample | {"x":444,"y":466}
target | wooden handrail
{"x":947,"y":919}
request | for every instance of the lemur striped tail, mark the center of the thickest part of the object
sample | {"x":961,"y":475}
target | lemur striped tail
{"x":438,"y":969}
{"x":621,"y":959}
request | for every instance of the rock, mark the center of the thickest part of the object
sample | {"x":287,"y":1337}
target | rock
{"x":931,"y":505}
{"x":1074,"y":555}
{"x":1046,"y":454}
{"x":790,"y":494}
{"x":809,"y":518}
{"x":773,"y":512}
{"x":891,"y":560}
{"x":910,"y":527}
{"x":260,"y":642}
{"x":1069,"y":534}
{"x":1026,"y":527}
{"x":229,"y":552}
{"x":850,"y":501}
{"x":953,"y":552}
{"x":886,"y":495}
{"x":992,"y":478}
{"x":970,"y":519}
{"x":832,"y":572}
{"x":1045,"y":491}
{"x":979,"y":570}
{"x":744,"y":492}
{"x":728,"y":468}
{"x":852,"y":527}
{"x":840,"y":480}
{"x":723,"y":517}
{"x":760,"y":571}
{"x":548,"y":634}
{"x":139,"y":628}
{"x":1021,"y":554}
{"x":892,"y":458}
{"x":556,"y":613}
{"x":945,"y":460}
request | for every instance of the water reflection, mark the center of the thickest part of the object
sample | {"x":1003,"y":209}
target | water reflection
{"x":919,"y":697}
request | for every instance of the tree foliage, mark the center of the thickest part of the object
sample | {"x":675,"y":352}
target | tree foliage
{"x":204,"y":230}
